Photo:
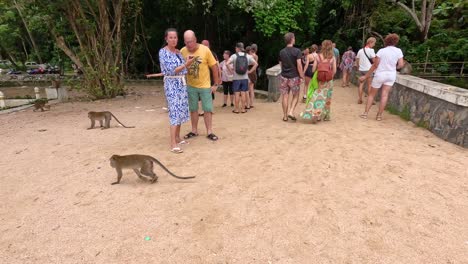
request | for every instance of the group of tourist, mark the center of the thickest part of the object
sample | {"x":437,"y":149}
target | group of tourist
{"x":192,"y":76}
{"x":317,"y":67}
{"x":194,"y":73}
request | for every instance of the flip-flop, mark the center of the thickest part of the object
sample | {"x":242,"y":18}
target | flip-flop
{"x":378,"y":118}
{"x":243,"y":112}
{"x":363,"y":115}
{"x":285,"y":119}
{"x":183,"y":142}
{"x":177,"y":150}
{"x":190,"y":135}
{"x":293,"y":118}
{"x":235,"y":112}
{"x":212,"y":137}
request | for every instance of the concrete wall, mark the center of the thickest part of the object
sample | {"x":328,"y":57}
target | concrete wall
{"x":441,"y":108}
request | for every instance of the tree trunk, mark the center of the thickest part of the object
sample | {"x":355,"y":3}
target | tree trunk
{"x":423,"y":22}
{"x":36,"y":50}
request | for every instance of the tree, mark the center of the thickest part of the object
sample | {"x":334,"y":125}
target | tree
{"x":423,"y":21}
{"x":89,"y":32}
{"x":26,"y":26}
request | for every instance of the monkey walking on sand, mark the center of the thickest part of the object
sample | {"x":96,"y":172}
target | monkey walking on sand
{"x":41,"y":104}
{"x":103,"y":116}
{"x":141,"y":164}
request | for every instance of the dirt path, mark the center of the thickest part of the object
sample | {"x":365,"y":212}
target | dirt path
{"x":346,"y":191}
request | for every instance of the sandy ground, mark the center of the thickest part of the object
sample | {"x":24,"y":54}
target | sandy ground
{"x":345,"y":191}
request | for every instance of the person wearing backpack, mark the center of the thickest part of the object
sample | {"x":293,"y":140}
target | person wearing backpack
{"x":240,"y":82}
{"x":325,"y":65}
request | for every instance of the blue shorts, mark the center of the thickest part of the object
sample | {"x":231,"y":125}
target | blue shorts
{"x":240,"y":85}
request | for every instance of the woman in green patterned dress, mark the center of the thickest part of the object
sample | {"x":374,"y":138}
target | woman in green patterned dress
{"x":318,"y":107}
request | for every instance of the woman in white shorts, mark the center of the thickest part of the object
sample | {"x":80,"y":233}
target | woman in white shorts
{"x":386,"y":62}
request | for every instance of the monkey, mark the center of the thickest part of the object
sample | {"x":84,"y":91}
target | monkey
{"x":41,"y":104}
{"x":141,"y":164}
{"x":103,"y":116}
{"x":407,"y":68}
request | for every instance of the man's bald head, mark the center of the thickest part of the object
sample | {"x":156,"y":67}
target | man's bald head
{"x":190,"y":40}
{"x":189,"y":34}
{"x":206,"y":43}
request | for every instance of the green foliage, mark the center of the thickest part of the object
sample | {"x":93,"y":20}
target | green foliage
{"x":23,"y":97}
{"x":278,"y":18}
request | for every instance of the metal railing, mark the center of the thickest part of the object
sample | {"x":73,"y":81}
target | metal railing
{"x":439,"y":69}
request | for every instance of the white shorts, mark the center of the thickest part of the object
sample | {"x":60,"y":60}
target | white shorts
{"x":383,"y":78}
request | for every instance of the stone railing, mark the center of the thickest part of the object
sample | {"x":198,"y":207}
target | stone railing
{"x":441,"y":108}
{"x":273,"y":83}
{"x":438,"y":107}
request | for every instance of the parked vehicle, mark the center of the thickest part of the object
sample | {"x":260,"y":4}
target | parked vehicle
{"x":13,"y":72}
{"x":31,"y":65}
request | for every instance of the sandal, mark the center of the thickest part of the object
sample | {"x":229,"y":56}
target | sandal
{"x":293,"y":118}
{"x":183,"y":142}
{"x":378,"y":117}
{"x":212,"y":137}
{"x":190,"y":135}
{"x":235,"y":112}
{"x":285,"y":119}
{"x":363,"y":115}
{"x":243,"y":112}
{"x":359,"y":101}
{"x":176,"y":150}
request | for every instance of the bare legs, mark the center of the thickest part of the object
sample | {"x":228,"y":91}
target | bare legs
{"x":288,"y":110}
{"x":175,"y":135}
{"x":243,"y":101}
{"x":284,"y":103}
{"x":207,"y":117}
{"x":251,"y":93}
{"x":383,"y":102}
{"x":345,"y":78}
{"x":194,"y":121}
{"x":231,"y":97}
{"x":306,"y":86}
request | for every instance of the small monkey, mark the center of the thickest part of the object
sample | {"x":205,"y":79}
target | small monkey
{"x":41,"y":104}
{"x":103,"y":116}
{"x":141,"y":164}
{"x":407,"y":68}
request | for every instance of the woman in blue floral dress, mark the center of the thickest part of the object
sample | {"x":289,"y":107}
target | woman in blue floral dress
{"x":174,"y":68}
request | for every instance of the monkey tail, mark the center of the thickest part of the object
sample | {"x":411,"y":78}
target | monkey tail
{"x":119,"y":121}
{"x":168,"y":171}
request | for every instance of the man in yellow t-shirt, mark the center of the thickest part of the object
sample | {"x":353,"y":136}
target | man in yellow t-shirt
{"x":198,"y":82}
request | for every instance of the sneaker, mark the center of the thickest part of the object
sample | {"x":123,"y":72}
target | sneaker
{"x":224,"y":105}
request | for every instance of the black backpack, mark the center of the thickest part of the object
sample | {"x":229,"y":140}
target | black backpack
{"x":242,"y":64}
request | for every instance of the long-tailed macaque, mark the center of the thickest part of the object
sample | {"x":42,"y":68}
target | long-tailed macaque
{"x":41,"y":104}
{"x":407,"y":68}
{"x":141,"y":164}
{"x":103,"y":116}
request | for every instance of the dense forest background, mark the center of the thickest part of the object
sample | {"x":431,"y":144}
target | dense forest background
{"x":111,"y":40}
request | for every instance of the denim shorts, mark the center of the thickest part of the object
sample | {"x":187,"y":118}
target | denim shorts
{"x":240,"y":85}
